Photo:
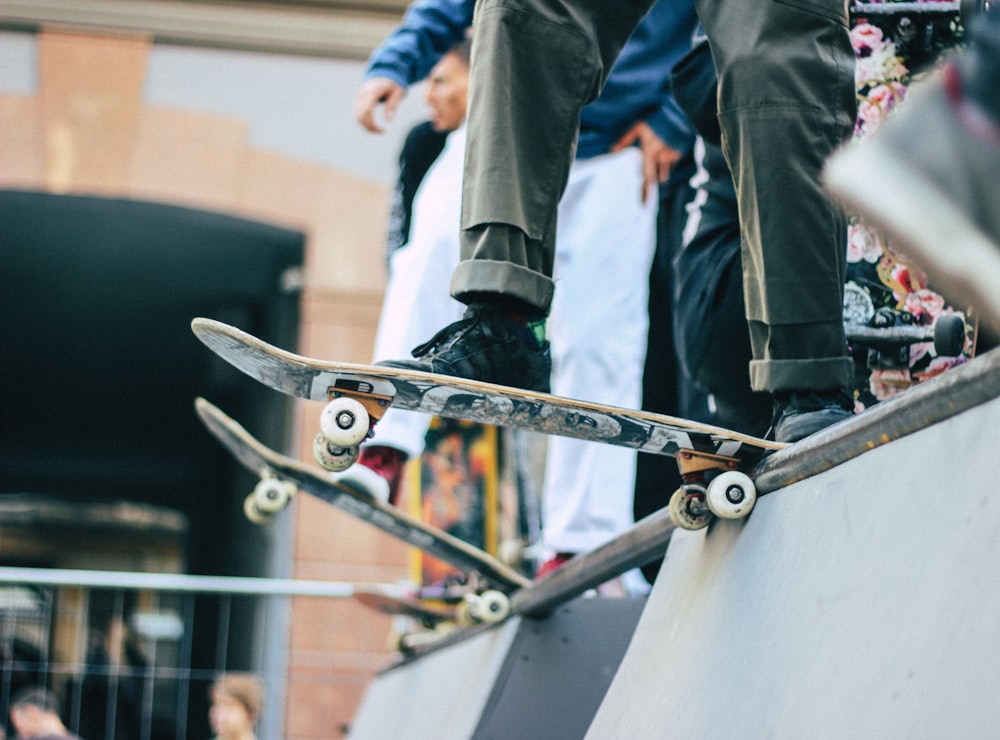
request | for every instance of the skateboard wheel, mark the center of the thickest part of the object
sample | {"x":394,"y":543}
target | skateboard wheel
{"x":465,"y":612}
{"x":272,"y":495}
{"x":949,"y":335}
{"x":688,"y":509}
{"x":251,"y":512}
{"x":268,"y":497}
{"x":510,"y":551}
{"x":345,"y":422}
{"x":489,"y":606}
{"x":731,"y":495}
{"x":335,"y":459}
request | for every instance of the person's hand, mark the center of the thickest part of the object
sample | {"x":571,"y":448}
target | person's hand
{"x":375,"y":91}
{"x":657,"y":157}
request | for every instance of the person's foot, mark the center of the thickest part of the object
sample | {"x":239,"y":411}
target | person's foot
{"x":927,"y":179}
{"x":553,"y":564}
{"x":378,"y":472}
{"x":485,"y":345}
{"x":799,"y":414}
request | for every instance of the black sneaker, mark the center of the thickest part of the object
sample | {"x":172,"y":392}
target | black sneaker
{"x":798,"y":414}
{"x":488,"y":346}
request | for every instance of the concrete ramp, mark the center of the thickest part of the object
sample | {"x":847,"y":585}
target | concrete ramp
{"x":526,"y":679}
{"x":863,"y":602}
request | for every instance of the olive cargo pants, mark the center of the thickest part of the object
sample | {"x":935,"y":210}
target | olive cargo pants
{"x":786,"y":101}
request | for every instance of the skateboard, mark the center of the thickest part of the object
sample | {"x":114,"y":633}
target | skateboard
{"x":281,"y":477}
{"x":435,"y":622}
{"x":428,"y":614}
{"x":465,"y":610}
{"x":714,"y":463}
{"x":940,"y":398}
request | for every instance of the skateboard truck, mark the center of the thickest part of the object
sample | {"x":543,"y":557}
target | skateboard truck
{"x":888,"y":335}
{"x":474,"y":601}
{"x":729,"y":495}
{"x":346,"y":421}
{"x":487,"y":607}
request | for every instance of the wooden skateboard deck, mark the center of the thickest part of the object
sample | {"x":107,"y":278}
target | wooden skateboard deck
{"x":437,"y":621}
{"x":697,"y":448}
{"x":272,"y":466}
{"x":427,"y":613}
{"x":470,"y":400}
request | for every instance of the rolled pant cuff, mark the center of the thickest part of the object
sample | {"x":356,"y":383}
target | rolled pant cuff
{"x":821,"y":374}
{"x":475,"y":277}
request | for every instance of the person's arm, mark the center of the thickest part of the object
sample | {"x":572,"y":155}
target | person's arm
{"x":658,"y":157}
{"x":429,"y":29}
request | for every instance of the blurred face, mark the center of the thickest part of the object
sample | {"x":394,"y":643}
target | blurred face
{"x":448,"y":92}
{"x":26,"y":720}
{"x":228,"y":717}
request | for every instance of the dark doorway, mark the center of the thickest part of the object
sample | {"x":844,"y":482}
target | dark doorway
{"x":99,"y":368}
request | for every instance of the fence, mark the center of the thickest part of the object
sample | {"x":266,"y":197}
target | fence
{"x":132,"y":655}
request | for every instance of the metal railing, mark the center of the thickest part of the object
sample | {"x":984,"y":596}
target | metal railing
{"x":132,"y":655}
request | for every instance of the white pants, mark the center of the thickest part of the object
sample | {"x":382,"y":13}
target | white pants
{"x":597,"y":327}
{"x":416,"y":302}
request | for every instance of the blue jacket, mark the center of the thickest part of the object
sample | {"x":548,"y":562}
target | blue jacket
{"x":637,"y":89}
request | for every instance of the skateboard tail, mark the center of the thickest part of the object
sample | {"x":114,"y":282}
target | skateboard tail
{"x":263,"y":461}
{"x":257,"y":359}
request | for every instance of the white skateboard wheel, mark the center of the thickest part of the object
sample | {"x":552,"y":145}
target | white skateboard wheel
{"x":345,"y":422}
{"x":268,"y":497}
{"x":686,"y":511}
{"x":250,"y":510}
{"x":334,"y":459}
{"x":489,"y":606}
{"x":272,"y":495}
{"x":731,"y":495}
{"x":464,"y":612}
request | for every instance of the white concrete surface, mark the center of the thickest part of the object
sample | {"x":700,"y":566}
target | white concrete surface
{"x":861,"y":603}
{"x":443,"y":695}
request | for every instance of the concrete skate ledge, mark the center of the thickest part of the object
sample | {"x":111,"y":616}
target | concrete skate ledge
{"x":921,"y":406}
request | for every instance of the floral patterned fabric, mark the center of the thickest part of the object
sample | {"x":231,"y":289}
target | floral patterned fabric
{"x":882,"y":287}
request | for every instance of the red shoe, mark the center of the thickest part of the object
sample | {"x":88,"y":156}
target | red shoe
{"x":377,"y":472}
{"x":553,"y":564}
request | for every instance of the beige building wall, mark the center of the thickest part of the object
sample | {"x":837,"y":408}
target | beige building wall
{"x":88,"y":131}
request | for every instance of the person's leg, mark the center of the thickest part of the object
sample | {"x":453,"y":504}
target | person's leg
{"x":938,"y":164}
{"x":535,"y":64}
{"x":664,"y":389}
{"x":713,"y":345}
{"x":786,"y":101}
{"x":598,"y":331}
{"x":549,"y":58}
{"x":415,"y":303}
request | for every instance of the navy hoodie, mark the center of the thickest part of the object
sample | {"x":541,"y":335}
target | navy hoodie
{"x":637,"y":89}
